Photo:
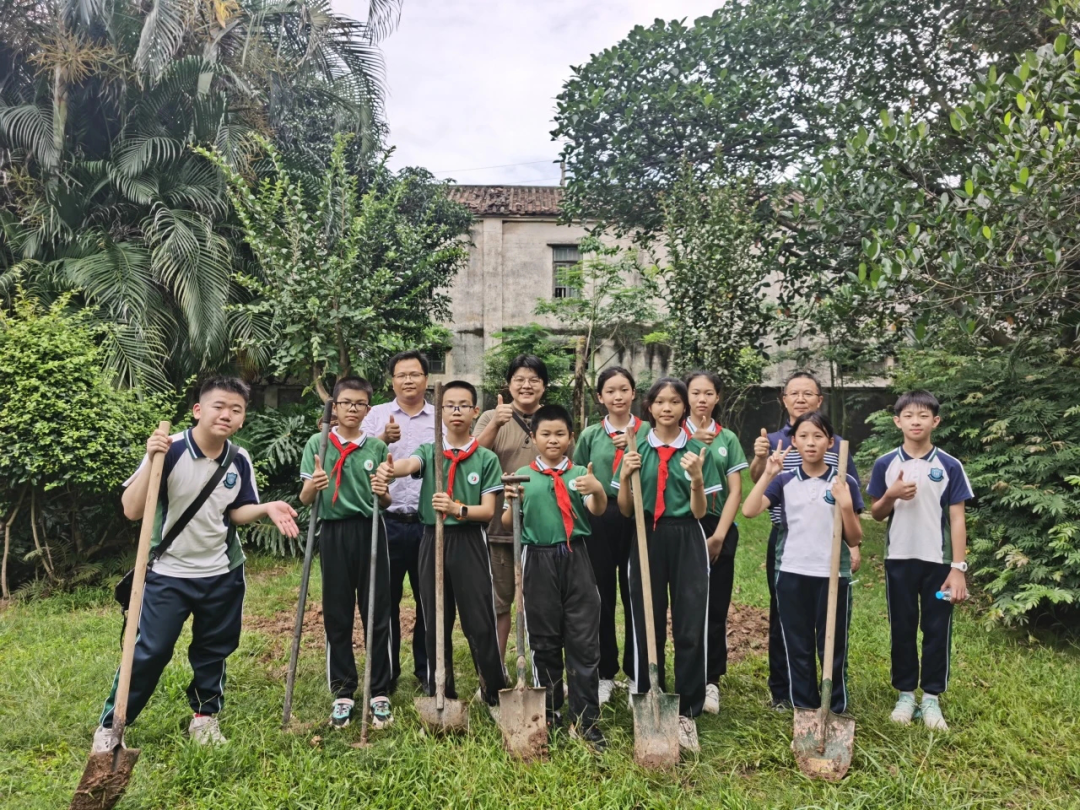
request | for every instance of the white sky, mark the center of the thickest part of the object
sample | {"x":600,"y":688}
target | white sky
{"x":472,"y":83}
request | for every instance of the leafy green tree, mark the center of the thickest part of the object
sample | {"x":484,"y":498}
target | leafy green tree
{"x":68,"y":439}
{"x":615,"y":309}
{"x":345,"y":278}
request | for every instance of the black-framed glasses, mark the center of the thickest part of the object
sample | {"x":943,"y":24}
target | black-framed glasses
{"x":457,"y":408}
{"x":410,"y":375}
{"x":352,"y":406}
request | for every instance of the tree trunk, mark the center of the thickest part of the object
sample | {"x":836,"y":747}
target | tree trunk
{"x":7,"y":544}
{"x":579,"y":382}
{"x":43,"y":553}
{"x":60,"y":107}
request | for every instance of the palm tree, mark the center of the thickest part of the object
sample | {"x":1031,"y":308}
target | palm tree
{"x":100,"y":102}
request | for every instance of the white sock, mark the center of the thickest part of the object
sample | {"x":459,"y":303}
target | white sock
{"x":908,"y":694}
{"x":928,"y":696}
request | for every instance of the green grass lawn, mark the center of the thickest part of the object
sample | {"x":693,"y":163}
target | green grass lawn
{"x":1013,"y":704}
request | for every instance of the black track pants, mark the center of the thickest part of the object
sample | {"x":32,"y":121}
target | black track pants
{"x":562,"y":612}
{"x":470,"y":592}
{"x":721,"y":584}
{"x":403,"y":543}
{"x":609,"y":551}
{"x":911,"y":585}
{"x":803,"y":602}
{"x":779,"y":685}
{"x":679,"y":560}
{"x":345,"y":558}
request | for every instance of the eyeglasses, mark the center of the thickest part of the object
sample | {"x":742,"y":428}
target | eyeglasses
{"x":457,"y":408}
{"x":410,"y":375}
{"x":523,"y":381}
{"x":352,"y":406}
{"x":803,"y":395}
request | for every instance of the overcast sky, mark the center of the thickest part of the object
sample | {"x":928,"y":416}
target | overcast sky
{"x":472,"y":83}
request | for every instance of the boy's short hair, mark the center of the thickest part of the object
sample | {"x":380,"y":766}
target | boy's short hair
{"x":818,"y":420}
{"x":922,"y":399}
{"x":353,"y":384}
{"x":551,"y":413}
{"x":411,"y":354}
{"x":466,"y":386}
{"x":531,"y":362}
{"x":234,"y":385}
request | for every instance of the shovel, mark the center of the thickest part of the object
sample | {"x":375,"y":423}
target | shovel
{"x":366,"y":713}
{"x":822,"y":741}
{"x":309,"y":552}
{"x":107,"y":773}
{"x":656,"y":715}
{"x":522,"y":710}
{"x":438,"y":714}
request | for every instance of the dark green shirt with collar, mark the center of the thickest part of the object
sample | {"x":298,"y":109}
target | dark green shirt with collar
{"x":476,"y":476}
{"x":541,"y":520}
{"x":354,"y":496}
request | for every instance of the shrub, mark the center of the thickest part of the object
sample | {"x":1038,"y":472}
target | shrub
{"x":1011,"y":417}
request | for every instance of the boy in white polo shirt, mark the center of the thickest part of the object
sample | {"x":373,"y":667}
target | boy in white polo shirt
{"x":201,"y":573}
{"x":921,"y":490}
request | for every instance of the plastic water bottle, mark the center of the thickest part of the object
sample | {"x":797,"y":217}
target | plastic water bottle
{"x":945,"y":594}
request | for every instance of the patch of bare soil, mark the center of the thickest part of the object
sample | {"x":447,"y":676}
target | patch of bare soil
{"x":747,"y":631}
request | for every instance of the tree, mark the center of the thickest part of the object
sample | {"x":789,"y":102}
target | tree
{"x":67,"y":438}
{"x":345,"y":278}
{"x":766,"y":85}
{"x":616,"y":307}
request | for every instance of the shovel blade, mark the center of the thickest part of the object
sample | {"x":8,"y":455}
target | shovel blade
{"x":831,"y":761}
{"x":523,"y":721}
{"x":453,"y":718}
{"x":102,"y":785}
{"x":656,"y":730}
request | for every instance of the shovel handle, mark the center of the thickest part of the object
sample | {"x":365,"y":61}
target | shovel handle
{"x":643,"y":567}
{"x":834,"y":590}
{"x":440,"y":630}
{"x":305,"y":576}
{"x":519,"y":599}
{"x":138,"y":584}
{"x":369,"y":630}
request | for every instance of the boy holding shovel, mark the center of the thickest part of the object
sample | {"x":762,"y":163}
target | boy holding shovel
{"x":473,"y":478}
{"x":345,"y":548}
{"x":562,"y":603}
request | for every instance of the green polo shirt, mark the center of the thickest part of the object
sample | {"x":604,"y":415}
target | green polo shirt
{"x":354,"y":496}
{"x":729,"y":457}
{"x":596,"y":446}
{"x":541,"y":520}
{"x":476,"y":476}
{"x":677,"y":491}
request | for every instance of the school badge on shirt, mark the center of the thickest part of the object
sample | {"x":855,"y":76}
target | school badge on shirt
{"x":937,"y":474}
{"x":473,"y":478}
{"x":369,"y":465}
{"x":230,"y":480}
{"x":829,"y":499}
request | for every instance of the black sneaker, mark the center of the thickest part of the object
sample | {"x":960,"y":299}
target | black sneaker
{"x":781,"y":706}
{"x":594,"y":737}
{"x":341,"y":714}
{"x":554,"y":720}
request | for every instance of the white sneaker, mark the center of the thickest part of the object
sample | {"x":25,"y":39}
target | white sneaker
{"x":206,"y":731}
{"x":712,"y":698}
{"x":103,"y":740}
{"x":492,"y":710}
{"x":688,"y":734}
{"x":904,"y":710}
{"x":606,"y":688}
{"x":931,"y":714}
{"x":381,"y":716}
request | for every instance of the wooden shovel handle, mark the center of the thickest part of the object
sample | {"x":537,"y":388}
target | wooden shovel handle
{"x":138,"y":583}
{"x":643,"y":564}
{"x":440,"y":630}
{"x":834,"y":585}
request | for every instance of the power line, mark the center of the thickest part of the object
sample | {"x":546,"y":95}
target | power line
{"x":500,"y":166}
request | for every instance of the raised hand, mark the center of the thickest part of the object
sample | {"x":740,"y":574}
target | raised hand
{"x":385,"y":471}
{"x":379,"y":485}
{"x":319,"y":479}
{"x":503,"y":413}
{"x":900,"y":489}
{"x":704,"y":436}
{"x":392,"y":431}
{"x":775,"y":463}
{"x":631,"y":463}
{"x":841,"y":492}
{"x":693,"y":463}
{"x":588,"y":484}
{"x":284,"y":517}
{"x":761,"y":444}
{"x":619,"y":440}
{"x":159,"y":442}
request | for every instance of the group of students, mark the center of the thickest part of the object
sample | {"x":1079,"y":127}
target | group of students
{"x":579,"y":539}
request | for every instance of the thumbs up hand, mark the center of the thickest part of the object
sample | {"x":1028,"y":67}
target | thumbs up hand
{"x":900,"y":489}
{"x":761,"y":444}
{"x":589,"y":484}
{"x":693,"y":463}
{"x":319,"y":479}
{"x":385,"y":471}
{"x":704,"y":435}
{"x":392,"y":433}
{"x":503,"y":412}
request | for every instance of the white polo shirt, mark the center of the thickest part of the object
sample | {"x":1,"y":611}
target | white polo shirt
{"x":920,"y":529}
{"x":208,"y":545}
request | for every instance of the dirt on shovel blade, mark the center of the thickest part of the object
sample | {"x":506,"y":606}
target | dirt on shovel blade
{"x":101,"y":786}
{"x":831,"y":764}
{"x":523,"y":721}
{"x":453,"y":719}
{"x":656,"y":744}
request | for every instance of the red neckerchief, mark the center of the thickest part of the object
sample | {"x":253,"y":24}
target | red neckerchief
{"x":343,"y":452}
{"x":665,"y":452}
{"x":635,"y":423}
{"x":456,"y":457}
{"x":562,"y":497}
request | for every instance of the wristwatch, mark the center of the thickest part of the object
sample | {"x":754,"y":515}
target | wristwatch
{"x":959,"y":566}
{"x":463,"y":511}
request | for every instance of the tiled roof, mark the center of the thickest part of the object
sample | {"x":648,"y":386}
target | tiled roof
{"x":521,"y":201}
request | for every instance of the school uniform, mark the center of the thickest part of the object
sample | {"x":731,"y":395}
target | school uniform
{"x":778,"y":671}
{"x":918,"y":553}
{"x":608,"y":544}
{"x":200,"y":575}
{"x":561,"y":601}
{"x":806,"y":510}
{"x":729,"y":457}
{"x":470,"y":472}
{"x":679,"y":557}
{"x":345,"y":510}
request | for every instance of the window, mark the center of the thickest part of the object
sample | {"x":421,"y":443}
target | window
{"x":437,"y":361}
{"x":564,"y":257}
